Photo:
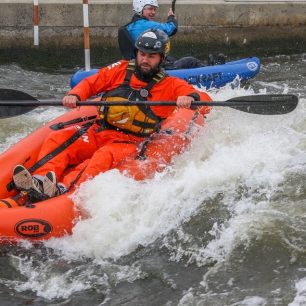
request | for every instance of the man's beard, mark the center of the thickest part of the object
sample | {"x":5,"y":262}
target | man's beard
{"x":146,"y":76}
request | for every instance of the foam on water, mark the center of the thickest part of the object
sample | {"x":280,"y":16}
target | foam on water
{"x":300,"y":298}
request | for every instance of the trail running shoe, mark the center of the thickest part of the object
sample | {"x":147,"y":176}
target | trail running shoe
{"x":49,"y":184}
{"x":24,"y":181}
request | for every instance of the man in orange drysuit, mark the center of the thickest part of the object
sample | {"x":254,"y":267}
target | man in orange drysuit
{"x":121,"y":129}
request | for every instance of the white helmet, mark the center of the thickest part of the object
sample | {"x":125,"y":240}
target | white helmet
{"x":138,"y":5}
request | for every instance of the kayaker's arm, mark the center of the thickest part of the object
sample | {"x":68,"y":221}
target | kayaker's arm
{"x":172,"y":20}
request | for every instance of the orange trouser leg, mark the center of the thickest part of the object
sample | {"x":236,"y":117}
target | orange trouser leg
{"x":80,"y":150}
{"x":105,"y":158}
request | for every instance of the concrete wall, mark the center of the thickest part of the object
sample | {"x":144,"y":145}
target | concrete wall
{"x":231,"y":24}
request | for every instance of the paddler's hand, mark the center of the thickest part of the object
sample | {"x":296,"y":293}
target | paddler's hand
{"x":70,"y":101}
{"x":171,"y":13}
{"x":184,"y":101}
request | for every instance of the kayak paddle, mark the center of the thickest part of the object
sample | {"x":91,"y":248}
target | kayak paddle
{"x":14,"y":103}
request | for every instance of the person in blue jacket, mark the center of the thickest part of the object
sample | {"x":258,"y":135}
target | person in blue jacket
{"x":143,"y":19}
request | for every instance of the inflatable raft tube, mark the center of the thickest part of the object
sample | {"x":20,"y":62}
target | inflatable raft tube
{"x":202,"y":77}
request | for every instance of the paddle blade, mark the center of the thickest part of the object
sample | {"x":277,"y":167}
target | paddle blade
{"x":273,"y":104}
{"x":13,"y":95}
{"x":173,"y":5}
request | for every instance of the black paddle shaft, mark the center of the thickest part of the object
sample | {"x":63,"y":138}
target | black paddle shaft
{"x":14,"y":103}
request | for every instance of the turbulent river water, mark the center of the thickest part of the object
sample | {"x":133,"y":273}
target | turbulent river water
{"x":224,"y":225}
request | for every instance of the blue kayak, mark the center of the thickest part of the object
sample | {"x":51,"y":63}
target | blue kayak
{"x":208,"y":76}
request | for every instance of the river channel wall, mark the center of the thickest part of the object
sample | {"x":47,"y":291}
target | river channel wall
{"x":233,"y":26}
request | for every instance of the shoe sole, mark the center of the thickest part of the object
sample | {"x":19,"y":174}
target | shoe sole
{"x":49,"y":184}
{"x":22,"y":178}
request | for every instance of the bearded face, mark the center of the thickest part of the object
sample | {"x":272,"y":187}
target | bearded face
{"x":147,"y":65}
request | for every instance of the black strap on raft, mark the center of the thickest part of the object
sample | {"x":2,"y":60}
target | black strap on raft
{"x":61,"y":125}
{"x":10,"y":186}
{"x":143,"y":146}
{"x":142,"y":149}
{"x":76,"y":179}
{"x":5,"y":202}
{"x":192,"y":123}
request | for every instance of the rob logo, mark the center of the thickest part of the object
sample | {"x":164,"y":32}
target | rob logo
{"x":33,"y":228}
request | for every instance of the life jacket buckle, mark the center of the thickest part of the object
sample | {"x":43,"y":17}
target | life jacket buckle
{"x":143,"y":92}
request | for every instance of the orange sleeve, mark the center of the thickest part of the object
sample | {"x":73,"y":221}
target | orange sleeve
{"x":105,"y":79}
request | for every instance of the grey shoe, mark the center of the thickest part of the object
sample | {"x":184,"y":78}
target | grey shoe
{"x":24,"y":181}
{"x":50,"y":185}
